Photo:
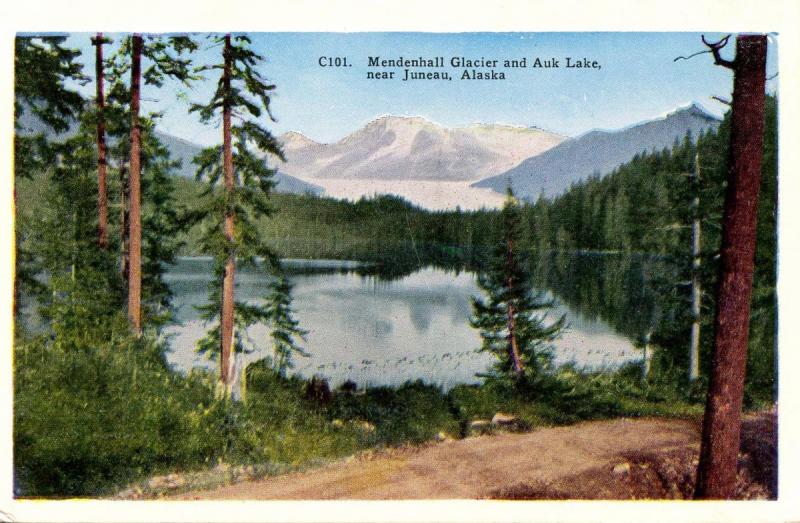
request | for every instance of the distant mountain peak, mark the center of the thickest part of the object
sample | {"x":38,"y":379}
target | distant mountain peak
{"x":384,"y":118}
{"x":693,"y":109}
{"x":598,"y":151}
{"x":296,"y":139}
{"x":390,"y":121}
{"x":391,"y":147}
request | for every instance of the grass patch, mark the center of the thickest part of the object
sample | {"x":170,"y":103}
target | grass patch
{"x":90,"y":421}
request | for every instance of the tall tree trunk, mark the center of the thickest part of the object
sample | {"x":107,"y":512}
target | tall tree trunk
{"x":694,"y":343}
{"x":513,"y":348}
{"x":716,"y":475}
{"x":124,"y":261}
{"x":135,"y":235}
{"x":647,"y":356}
{"x":226,"y":314}
{"x":516,"y":361}
{"x":102,"y":197}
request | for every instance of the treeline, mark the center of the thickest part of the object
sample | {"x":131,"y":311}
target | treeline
{"x":383,"y":229}
{"x":646,"y":204}
{"x":649,"y":206}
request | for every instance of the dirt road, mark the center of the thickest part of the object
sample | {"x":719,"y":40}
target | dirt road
{"x":473,"y":467}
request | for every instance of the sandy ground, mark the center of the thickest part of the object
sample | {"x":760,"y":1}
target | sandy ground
{"x":475,"y":467}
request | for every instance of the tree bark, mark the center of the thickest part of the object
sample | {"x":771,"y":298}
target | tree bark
{"x":124,"y":262}
{"x":694,"y":343}
{"x":716,"y":476}
{"x":135,"y":225}
{"x":647,"y":356}
{"x":226,"y":314}
{"x":513,"y":348}
{"x":516,"y":361}
{"x":102,"y":197}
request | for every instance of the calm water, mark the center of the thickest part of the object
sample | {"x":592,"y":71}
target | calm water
{"x":376,"y":331}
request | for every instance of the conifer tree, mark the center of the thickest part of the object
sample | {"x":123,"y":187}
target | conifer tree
{"x":102,"y":199}
{"x":239,"y":183}
{"x":716,"y":475}
{"x":163,"y":218}
{"x":134,"y":192}
{"x":42,"y":67}
{"x":510,"y":318}
{"x":285,"y":328}
{"x":697,"y":289}
{"x":84,"y":289}
{"x":165,"y":58}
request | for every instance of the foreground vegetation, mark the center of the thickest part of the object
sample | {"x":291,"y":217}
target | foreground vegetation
{"x":90,"y":420}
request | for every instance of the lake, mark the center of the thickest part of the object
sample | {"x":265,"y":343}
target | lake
{"x":380,"y":331}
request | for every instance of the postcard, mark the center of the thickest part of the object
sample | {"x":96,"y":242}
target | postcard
{"x":470,"y":270}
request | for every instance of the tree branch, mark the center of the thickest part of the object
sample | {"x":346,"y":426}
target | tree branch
{"x":691,"y":55}
{"x":721,"y":100}
{"x":714,"y":48}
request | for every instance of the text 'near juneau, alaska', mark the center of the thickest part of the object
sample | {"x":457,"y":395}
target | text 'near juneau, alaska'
{"x":482,"y":68}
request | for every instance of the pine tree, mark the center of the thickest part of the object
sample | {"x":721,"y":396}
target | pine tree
{"x":511,"y":319}
{"x":286,"y":329}
{"x":239,"y":183}
{"x":716,"y":475}
{"x":102,"y":199}
{"x":165,"y":57}
{"x":134,"y":192}
{"x":164,"y":222}
{"x":163,"y":218}
{"x":84,"y":289}
{"x":42,"y":68}
{"x":697,"y":289}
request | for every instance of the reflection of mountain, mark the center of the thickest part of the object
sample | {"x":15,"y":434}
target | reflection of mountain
{"x":381,"y":332}
{"x":597,"y":152}
{"x":420,"y":318}
{"x":417,"y":294}
{"x":413,"y":148}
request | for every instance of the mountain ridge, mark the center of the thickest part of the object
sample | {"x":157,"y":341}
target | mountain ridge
{"x":412,"y":148}
{"x":184,"y":150}
{"x":597,"y":151}
{"x":301,"y":136}
{"x":179,"y":148}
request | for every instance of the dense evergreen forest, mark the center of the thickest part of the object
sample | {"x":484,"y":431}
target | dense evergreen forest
{"x":96,"y":406}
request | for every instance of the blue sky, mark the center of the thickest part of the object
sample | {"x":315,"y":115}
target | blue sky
{"x":638,"y":80}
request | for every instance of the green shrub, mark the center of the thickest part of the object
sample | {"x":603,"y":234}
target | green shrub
{"x":89,"y":419}
{"x":414,"y":412}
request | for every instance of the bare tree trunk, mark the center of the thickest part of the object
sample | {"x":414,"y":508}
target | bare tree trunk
{"x":226,"y":314}
{"x":716,"y":475}
{"x":124,"y":262}
{"x":102,"y":197}
{"x":135,"y":237}
{"x":513,"y":348}
{"x":647,"y":356}
{"x":694,"y":344}
{"x":516,"y":361}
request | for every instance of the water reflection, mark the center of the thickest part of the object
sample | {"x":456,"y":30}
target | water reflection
{"x":375,"y":331}
{"x":618,"y":289}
